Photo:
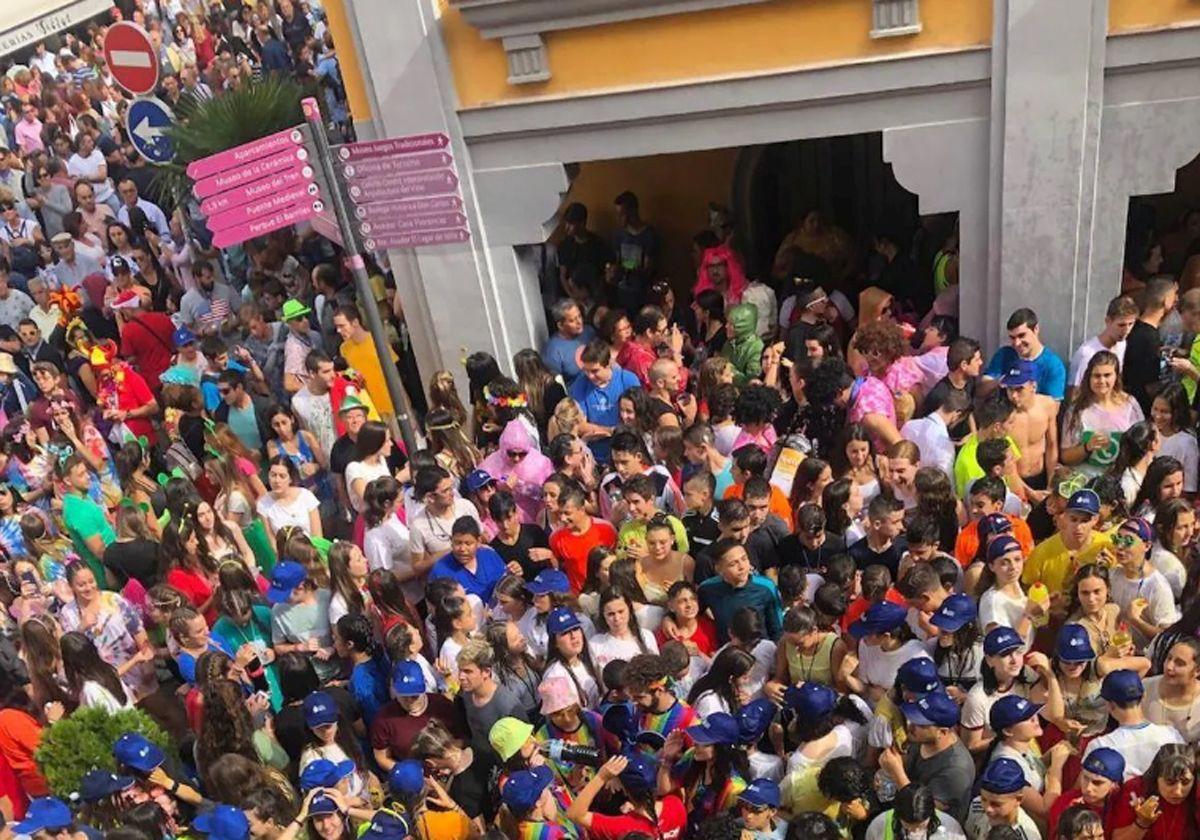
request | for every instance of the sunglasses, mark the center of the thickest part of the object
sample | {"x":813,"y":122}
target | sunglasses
{"x":1125,"y":540}
{"x":516,"y":454}
{"x":224,"y":391}
{"x":7,"y":205}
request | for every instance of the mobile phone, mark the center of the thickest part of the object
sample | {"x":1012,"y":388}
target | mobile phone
{"x":29,"y":577}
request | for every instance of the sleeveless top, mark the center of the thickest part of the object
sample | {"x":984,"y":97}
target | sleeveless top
{"x":319,"y":482}
{"x":815,"y":668}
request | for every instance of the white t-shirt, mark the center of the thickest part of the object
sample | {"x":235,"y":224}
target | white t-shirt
{"x":535,"y":633}
{"x":1160,"y":611}
{"x":1186,"y":720}
{"x":1169,"y":566}
{"x":843,"y":748}
{"x":93,"y":695}
{"x":606,"y":648}
{"x":88,"y":167}
{"x":977,"y":825}
{"x":764,"y":666}
{"x":1083,"y":355}
{"x":591,"y":689}
{"x":948,"y":828}
{"x":879,"y":667}
{"x":282,"y":514}
{"x":386,"y":546}
{"x":996,"y":607}
{"x":1139,"y":744}
{"x":448,"y":655}
{"x":357,"y":470}
{"x":1031,"y":765}
{"x":1183,"y":447}
{"x":978,"y":705}
{"x":430,"y":534}
{"x":710,"y":702}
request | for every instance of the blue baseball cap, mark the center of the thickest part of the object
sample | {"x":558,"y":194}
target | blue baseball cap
{"x":1074,"y":645}
{"x":933,"y":709}
{"x":754,"y":719}
{"x":1001,"y":640}
{"x":324,"y":773}
{"x":621,"y":720}
{"x":955,"y":612}
{"x":407,"y":777}
{"x":1003,"y":775}
{"x":547,"y":581}
{"x":1106,"y":762}
{"x":321,"y":805}
{"x":182,"y":336}
{"x":45,"y":813}
{"x":761,"y":793}
{"x":1123,"y":686}
{"x":919,"y":676}
{"x":883,"y":617}
{"x":1020,"y":372}
{"x":476,"y":480}
{"x":1139,"y":527}
{"x":319,"y":710}
{"x":285,"y":577}
{"x":408,"y":680}
{"x":135,"y":750}
{"x":1000,"y":545}
{"x":641,"y":773}
{"x":717,"y":728}
{"x":386,"y":825}
{"x":1011,"y":710}
{"x":223,"y":822}
{"x":524,"y":788}
{"x":993,"y":524}
{"x":811,"y":700}
{"x":561,"y":620}
{"x":1084,"y":501}
{"x":97,"y":784}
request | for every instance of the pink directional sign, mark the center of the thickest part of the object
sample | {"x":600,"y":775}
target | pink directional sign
{"x":263,"y":207}
{"x":382,"y":210}
{"x":437,"y":182}
{"x":399,"y":163}
{"x":256,"y":190}
{"x":411,"y":224}
{"x":413,"y":240}
{"x":265,"y":224}
{"x":291,"y":158}
{"x":394,"y":146}
{"x":239,"y":155}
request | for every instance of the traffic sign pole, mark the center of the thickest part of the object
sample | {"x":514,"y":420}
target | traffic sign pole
{"x":402,"y":421}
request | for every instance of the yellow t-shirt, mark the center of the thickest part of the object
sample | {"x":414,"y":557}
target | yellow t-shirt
{"x":364,"y":358}
{"x":1052,"y":564}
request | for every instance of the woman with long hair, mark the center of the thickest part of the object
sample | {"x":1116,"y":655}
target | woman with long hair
{"x":303,"y":449}
{"x":236,"y":493}
{"x":823,"y":728}
{"x":227,"y":727}
{"x":935,"y":498}
{"x":443,"y":396}
{"x":1100,"y":409}
{"x":39,"y":650}
{"x":1172,"y":416}
{"x":1174,"y":533}
{"x":1136,"y":449}
{"x":1159,"y":804}
{"x":386,"y":542}
{"x":712,"y":773}
{"x":1164,"y":480}
{"x":244,"y":627}
{"x":515,"y":668}
{"x":714,"y":372}
{"x":450,"y":444}
{"x":354,"y":641}
{"x":21,"y":733}
{"x":1003,"y":672}
{"x":621,"y":636}
{"x":709,"y":308}
{"x":348,"y":572}
{"x":842,"y":502}
{"x":185,"y":567}
{"x":91,"y":681}
{"x":371,"y":451}
{"x":1090,"y":604}
{"x":1173,"y":697}
{"x":542,"y":389}
{"x":723,"y":688}
{"x":854,"y":458}
{"x":219,"y":539}
{"x":812,"y":477}
{"x":132,"y":464}
{"x":959,"y":651}
{"x":568,"y":656}
{"x":805,"y":653}
{"x":288,"y":503}
{"x":115,"y":628}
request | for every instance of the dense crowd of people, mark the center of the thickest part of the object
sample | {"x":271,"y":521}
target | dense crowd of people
{"x":770,"y":555}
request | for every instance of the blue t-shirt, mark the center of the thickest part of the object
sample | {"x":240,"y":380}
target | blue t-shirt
{"x":243,"y":422}
{"x":369,"y":683}
{"x":600,"y":404}
{"x":489,"y":568}
{"x":559,"y":354}
{"x":1051,"y":372}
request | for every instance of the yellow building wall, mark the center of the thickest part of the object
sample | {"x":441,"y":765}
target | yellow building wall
{"x":673,"y":192}
{"x":743,"y":39}
{"x":1132,"y":15}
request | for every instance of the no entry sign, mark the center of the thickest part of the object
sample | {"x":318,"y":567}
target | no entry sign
{"x":131,"y":57}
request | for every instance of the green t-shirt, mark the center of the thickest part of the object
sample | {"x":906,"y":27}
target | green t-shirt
{"x":635,"y":531}
{"x":85,"y":519}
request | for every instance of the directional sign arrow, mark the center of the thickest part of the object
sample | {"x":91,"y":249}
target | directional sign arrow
{"x":416,"y":240}
{"x":412,"y":224}
{"x":258,"y":190}
{"x":265,"y":224}
{"x":290,"y":159}
{"x":436,"y":182}
{"x":392,"y":146}
{"x":383,"y":210}
{"x":272,"y":203}
{"x":146,"y":132}
{"x":239,"y":155}
{"x":398,"y":163}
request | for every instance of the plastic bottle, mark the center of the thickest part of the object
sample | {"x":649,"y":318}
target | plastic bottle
{"x":1122,"y":637}
{"x":1040,"y":595}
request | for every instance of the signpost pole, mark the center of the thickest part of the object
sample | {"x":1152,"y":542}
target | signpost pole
{"x":362,"y":282}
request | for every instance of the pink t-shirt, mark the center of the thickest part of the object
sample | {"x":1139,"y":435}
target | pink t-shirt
{"x":870,"y":396}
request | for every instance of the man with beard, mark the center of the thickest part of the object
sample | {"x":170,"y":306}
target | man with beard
{"x":209,"y":307}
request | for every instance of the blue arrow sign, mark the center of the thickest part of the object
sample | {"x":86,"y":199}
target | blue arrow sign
{"x":145,"y":123}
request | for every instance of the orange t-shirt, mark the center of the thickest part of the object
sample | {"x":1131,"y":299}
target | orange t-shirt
{"x":778,"y":502}
{"x":572,"y":549}
{"x":860,"y":605}
{"x":20,"y":736}
{"x":967,"y":544}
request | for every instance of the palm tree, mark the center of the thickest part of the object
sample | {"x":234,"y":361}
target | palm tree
{"x":206,"y":126}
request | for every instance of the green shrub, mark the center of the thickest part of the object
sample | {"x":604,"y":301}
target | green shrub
{"x":84,"y":740}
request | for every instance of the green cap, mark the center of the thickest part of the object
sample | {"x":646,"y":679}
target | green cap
{"x":508,"y":735}
{"x":293,"y":309}
{"x":350,"y":403}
